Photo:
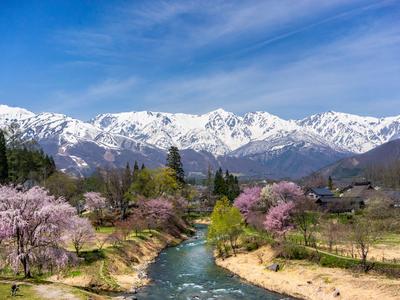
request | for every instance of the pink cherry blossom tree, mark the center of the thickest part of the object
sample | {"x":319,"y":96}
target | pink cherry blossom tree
{"x":159,"y":211}
{"x":287,"y":191}
{"x":80,"y":233}
{"x":156,"y":212}
{"x":247,"y":200}
{"x":278,"y":218}
{"x":33,"y":223}
{"x":95,"y":203}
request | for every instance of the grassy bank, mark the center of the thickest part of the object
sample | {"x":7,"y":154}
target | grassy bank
{"x":119,"y":265}
{"x":106,"y":266}
{"x":45,"y":291}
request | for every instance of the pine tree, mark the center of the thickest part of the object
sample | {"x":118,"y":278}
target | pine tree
{"x":209,"y":183}
{"x":3,"y":159}
{"x":330,"y":183}
{"x":174,"y":162}
{"x":127,"y":178}
{"x":143,"y":167}
{"x":135,"y":167}
{"x":219,"y":183}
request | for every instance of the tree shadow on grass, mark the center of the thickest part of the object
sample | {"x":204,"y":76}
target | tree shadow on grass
{"x":92,"y":256}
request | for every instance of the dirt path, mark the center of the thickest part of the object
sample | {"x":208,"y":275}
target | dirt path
{"x":47,"y":291}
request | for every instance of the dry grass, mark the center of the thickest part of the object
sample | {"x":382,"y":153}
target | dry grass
{"x":306,"y":280}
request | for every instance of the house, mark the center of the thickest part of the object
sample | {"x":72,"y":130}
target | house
{"x":340,"y":204}
{"x":319,"y":193}
{"x":364,"y":191}
{"x":358,"y":189}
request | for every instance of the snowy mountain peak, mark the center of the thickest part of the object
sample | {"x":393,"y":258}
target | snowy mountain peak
{"x":255,"y":140}
{"x":14,"y":113}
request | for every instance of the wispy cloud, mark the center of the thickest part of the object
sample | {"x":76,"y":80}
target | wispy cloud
{"x":94,"y":94}
{"x":288,"y":57}
{"x":328,"y":77}
{"x":171,"y":26}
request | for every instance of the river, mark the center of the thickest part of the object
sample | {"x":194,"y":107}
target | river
{"x":188,"y":272}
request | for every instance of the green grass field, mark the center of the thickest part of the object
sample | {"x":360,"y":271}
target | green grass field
{"x":25,"y":292}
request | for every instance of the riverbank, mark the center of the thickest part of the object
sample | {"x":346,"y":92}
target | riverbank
{"x":203,"y":221}
{"x":45,"y":291}
{"x":121,"y":268}
{"x":306,"y":280}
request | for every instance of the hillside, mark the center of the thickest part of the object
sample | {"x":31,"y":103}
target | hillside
{"x":355,"y":166}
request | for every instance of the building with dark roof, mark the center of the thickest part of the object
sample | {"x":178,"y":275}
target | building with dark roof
{"x":319,"y":193}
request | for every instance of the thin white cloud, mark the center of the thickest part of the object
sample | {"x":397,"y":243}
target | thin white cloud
{"x":98,"y":93}
{"x":329,"y":76}
{"x":319,"y":77}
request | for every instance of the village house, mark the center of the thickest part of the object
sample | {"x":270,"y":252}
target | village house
{"x":351,"y":199}
{"x":319,"y":193}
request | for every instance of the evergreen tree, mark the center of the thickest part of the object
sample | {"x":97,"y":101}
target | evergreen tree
{"x":127,"y":178}
{"x":232,"y":186}
{"x":135,"y":167}
{"x":209,"y":183}
{"x":219,"y":183}
{"x":330,"y":183}
{"x":3,"y":159}
{"x":174,"y":162}
{"x":143,"y":167}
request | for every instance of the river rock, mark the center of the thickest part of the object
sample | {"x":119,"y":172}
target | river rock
{"x":336,"y":293}
{"x":273,"y":267}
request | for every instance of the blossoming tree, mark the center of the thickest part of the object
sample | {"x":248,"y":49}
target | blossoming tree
{"x":32,"y":225}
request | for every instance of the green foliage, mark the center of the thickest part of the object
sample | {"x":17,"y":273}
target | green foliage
{"x":293,"y":251}
{"x":219,"y":183}
{"x":62,"y":185}
{"x":93,"y":256}
{"x":332,"y":261}
{"x":330,"y":183}
{"x":153,"y":183}
{"x":29,"y":162}
{"x":226,"y":186}
{"x":93,"y":183}
{"x":175,"y":164}
{"x":251,"y":246}
{"x":26,"y":292}
{"x":226,"y":225}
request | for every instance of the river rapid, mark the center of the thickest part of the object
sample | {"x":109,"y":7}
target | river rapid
{"x":188,"y":272}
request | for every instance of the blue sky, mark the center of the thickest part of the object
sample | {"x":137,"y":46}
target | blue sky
{"x":290,"y":58}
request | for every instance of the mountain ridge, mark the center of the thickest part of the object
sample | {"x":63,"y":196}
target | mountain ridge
{"x":257,"y":139}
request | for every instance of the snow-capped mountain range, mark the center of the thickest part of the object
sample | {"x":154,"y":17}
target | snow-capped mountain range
{"x":255,"y":144}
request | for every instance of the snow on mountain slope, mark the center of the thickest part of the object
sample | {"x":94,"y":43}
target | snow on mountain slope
{"x":254,"y":138}
{"x":13,"y":114}
{"x":218,"y":132}
{"x":354,"y":133}
{"x":293,"y":153}
{"x":81,"y":147}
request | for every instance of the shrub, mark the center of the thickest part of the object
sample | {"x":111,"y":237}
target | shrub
{"x":251,"y":246}
{"x":291,"y":251}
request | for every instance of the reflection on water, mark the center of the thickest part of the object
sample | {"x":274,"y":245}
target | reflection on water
{"x":188,"y":272}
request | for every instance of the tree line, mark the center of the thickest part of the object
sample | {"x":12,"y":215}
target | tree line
{"x":20,"y":162}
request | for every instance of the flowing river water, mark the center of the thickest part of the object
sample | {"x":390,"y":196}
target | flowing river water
{"x":188,"y":272}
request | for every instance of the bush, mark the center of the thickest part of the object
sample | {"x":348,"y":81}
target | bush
{"x":251,"y":246}
{"x":292,"y":251}
{"x":331,"y":261}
